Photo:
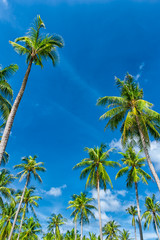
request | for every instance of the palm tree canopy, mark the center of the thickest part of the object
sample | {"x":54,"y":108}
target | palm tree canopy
{"x":37,"y":46}
{"x":31,"y":229}
{"x":124,"y":235}
{"x":133,"y":167}
{"x":111,"y":230}
{"x":6,"y":92}
{"x":55,"y":221}
{"x":126,"y":108}
{"x":94,"y":166}
{"x":132,"y":210}
{"x":152,"y":212}
{"x":30,"y":166}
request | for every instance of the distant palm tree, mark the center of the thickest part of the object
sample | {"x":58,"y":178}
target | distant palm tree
{"x":55,"y":221}
{"x":29,"y":167}
{"x":94,"y":167}
{"x":29,"y":200}
{"x":133,"y":168}
{"x":36,"y":47}
{"x":111,"y":230}
{"x":137,"y":117}
{"x":70,"y":235}
{"x":132,"y":211}
{"x":31,"y":229}
{"x":152,"y":213}
{"x":48,"y":236}
{"x":124,"y":235}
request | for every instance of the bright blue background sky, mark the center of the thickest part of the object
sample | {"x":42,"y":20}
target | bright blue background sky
{"x":58,"y":115}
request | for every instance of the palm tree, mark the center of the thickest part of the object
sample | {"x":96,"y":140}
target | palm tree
{"x":124,"y":235}
{"x":94,"y":168}
{"x":29,"y":200}
{"x":29,"y":167}
{"x":132,"y":211}
{"x":133,"y":168}
{"x":111,"y":230}
{"x":137,"y":117}
{"x":48,"y":236}
{"x":36,"y":47}
{"x":55,"y":221}
{"x":30,"y":229}
{"x":70,"y":235}
{"x":74,"y":204}
{"x":7,"y":217}
{"x":152,"y":213}
{"x":6,"y":92}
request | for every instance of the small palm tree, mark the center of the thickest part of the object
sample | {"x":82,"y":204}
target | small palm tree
{"x":48,"y":236}
{"x":70,"y":235}
{"x":152,"y":213}
{"x":29,"y":200}
{"x":111,"y":230}
{"x":137,"y":117}
{"x":124,"y":235}
{"x":36,"y":47}
{"x":133,"y":168}
{"x":132,"y":211}
{"x":94,"y":167}
{"x":55,"y":221}
{"x":29,"y":167}
{"x":31,"y":229}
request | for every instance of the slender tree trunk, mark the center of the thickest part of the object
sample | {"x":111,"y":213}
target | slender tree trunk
{"x":24,"y":211}
{"x":147,"y":155}
{"x":156,"y":226}
{"x":12,"y":114}
{"x":135,"y":231}
{"x":75,"y":229}
{"x":81,"y":228}
{"x":19,"y":207}
{"x":139,"y":215}
{"x":99,"y":211}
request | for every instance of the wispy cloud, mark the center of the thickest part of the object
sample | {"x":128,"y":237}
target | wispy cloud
{"x":55,"y":191}
{"x":138,"y":75}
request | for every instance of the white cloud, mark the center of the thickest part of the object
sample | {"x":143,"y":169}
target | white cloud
{"x":142,"y":66}
{"x":5,"y":2}
{"x":56,"y":191}
{"x":116,"y":144}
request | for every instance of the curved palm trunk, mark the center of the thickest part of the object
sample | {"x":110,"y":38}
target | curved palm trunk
{"x":24,"y":211}
{"x":139,"y":215}
{"x":156,"y":226}
{"x":147,"y":155}
{"x":135,"y":231}
{"x":12,"y":114}
{"x":81,"y":228}
{"x":19,"y":207}
{"x":99,"y":212}
{"x":75,"y":229}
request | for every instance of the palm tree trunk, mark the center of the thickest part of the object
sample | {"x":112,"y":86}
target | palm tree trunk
{"x":135,"y":231}
{"x":156,"y":226}
{"x":81,"y":228}
{"x":147,"y":155}
{"x":75,"y":229}
{"x":99,"y":211}
{"x":139,"y":215}
{"x":12,"y":114}
{"x":19,"y":207}
{"x":24,"y":211}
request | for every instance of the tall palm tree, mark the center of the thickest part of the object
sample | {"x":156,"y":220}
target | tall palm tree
{"x":74,"y":204}
{"x":133,"y":168}
{"x":29,"y":200}
{"x":132,"y":210}
{"x":152,"y":213}
{"x":94,"y":168}
{"x":55,"y":221}
{"x":31,"y":229}
{"x":111,"y":230}
{"x":124,"y":235}
{"x":6,"y":92}
{"x":29,"y":167}
{"x":7,"y":217}
{"x":137,"y":117}
{"x":36,"y":47}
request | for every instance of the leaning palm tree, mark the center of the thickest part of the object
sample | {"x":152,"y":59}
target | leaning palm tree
{"x":94,"y":167}
{"x":55,"y":221}
{"x":132,"y":210}
{"x":133,"y":168}
{"x":137,"y":117}
{"x":31,"y":229}
{"x":36,"y":47}
{"x":111,"y":230}
{"x":29,"y":167}
{"x":124,"y":235}
{"x":152,"y":213}
{"x":29,"y":201}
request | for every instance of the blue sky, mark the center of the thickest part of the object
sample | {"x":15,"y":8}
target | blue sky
{"x":58,"y":115}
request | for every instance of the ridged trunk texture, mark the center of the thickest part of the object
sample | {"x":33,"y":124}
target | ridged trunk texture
{"x":12,"y":114}
{"x":139,"y":214}
{"x":135,"y":231}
